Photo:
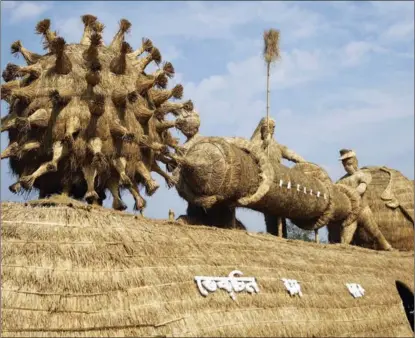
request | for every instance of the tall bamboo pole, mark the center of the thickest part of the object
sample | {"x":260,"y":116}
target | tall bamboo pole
{"x":271,"y":54}
{"x":268,"y":92}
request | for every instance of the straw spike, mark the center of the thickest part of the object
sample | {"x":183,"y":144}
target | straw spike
{"x":146,"y":46}
{"x":59,"y":99}
{"x":43,"y":28}
{"x":113,"y":186}
{"x":58,"y":151}
{"x":63,"y":64}
{"x":167,"y":70}
{"x":124,"y":27}
{"x":119,"y":131}
{"x":164,"y":125}
{"x":142,"y":63}
{"x":93,"y":76}
{"x":119,"y":64}
{"x":119,"y":98}
{"x":161,"y":96}
{"x":97,"y":105}
{"x":143,"y":86}
{"x":139,"y":202}
{"x":12,"y":71}
{"x":174,"y":108}
{"x":7,"y":90}
{"x":90,"y":173}
{"x":26,"y":94}
{"x":119,"y":165}
{"x":11,"y":151}
{"x":91,"y":54}
{"x":141,"y":111}
{"x":72,"y":126}
{"x":30,"y":57}
{"x":89,"y":21}
{"x":40,"y":118}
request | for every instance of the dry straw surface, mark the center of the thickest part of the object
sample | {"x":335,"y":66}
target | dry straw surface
{"x":89,"y":271}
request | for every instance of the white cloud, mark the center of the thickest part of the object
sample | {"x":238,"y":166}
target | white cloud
{"x":400,"y":31}
{"x":8,"y":4}
{"x":20,"y":11}
{"x":70,"y":28}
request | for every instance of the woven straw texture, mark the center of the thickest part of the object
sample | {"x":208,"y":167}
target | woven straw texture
{"x":86,"y":119}
{"x":390,"y":196}
{"x":69,"y":271}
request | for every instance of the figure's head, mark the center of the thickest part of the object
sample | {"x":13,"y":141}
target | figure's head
{"x":349,"y":160}
{"x":188,"y":123}
{"x":267,"y":128}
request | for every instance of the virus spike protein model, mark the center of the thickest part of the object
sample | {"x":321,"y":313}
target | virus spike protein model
{"x":85,"y":118}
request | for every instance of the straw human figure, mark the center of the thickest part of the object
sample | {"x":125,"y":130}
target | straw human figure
{"x":264,"y":134}
{"x":359,"y":180}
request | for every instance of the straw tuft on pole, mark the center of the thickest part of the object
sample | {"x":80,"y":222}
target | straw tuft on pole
{"x":271,"y":54}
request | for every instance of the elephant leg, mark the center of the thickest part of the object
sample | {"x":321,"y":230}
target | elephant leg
{"x":271,"y":224}
{"x":42,"y":194}
{"x":316,"y":237}
{"x":276,"y":226}
{"x":347,"y":233}
{"x":66,"y":189}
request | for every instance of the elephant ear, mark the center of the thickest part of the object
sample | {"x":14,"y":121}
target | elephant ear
{"x":399,"y":193}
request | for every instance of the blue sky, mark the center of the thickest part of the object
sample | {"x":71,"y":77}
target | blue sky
{"x":345,"y":80}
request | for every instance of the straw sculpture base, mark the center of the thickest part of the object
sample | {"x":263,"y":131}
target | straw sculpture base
{"x":73,"y":271}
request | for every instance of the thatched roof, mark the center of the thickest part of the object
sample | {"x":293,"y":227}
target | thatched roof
{"x":70,"y":271}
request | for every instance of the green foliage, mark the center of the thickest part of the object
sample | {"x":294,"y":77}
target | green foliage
{"x":294,"y":232}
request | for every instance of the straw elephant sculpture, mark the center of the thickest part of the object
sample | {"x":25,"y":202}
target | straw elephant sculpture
{"x":86,"y":118}
{"x":390,"y":196}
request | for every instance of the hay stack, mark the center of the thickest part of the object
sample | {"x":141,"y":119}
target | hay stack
{"x":74,"y":272}
{"x":390,"y":196}
{"x":86,"y":118}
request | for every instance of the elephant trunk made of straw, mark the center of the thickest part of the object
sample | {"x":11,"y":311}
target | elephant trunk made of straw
{"x":238,"y":172}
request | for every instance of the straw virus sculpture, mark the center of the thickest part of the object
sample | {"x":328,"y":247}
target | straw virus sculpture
{"x":86,"y":118}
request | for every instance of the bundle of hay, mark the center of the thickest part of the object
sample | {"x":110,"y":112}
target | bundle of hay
{"x":79,"y":273}
{"x":86,"y":118}
{"x":390,"y":196}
